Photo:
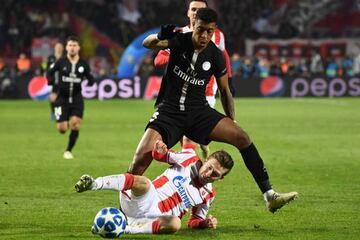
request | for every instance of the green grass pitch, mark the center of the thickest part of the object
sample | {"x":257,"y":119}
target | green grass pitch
{"x":309,"y":145}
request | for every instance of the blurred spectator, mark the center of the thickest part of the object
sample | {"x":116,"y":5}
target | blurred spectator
{"x":146,"y":67}
{"x":7,"y":85}
{"x":303,"y":68}
{"x":356,"y":66}
{"x":316,"y":65}
{"x":128,"y":11}
{"x":23,"y":64}
{"x":247,"y":68}
{"x":331,"y":68}
{"x":236,"y":64}
{"x":347,"y":66}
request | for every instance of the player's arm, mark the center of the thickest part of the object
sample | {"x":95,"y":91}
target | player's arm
{"x":50,"y":73}
{"x":229,"y":72}
{"x":160,"y":40}
{"x":199,"y":217}
{"x":227,"y":100}
{"x":89,"y":76}
{"x":161,"y":153}
{"x":152,"y":42}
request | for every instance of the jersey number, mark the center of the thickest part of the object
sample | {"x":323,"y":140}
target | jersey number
{"x":57,"y":112}
{"x":154,"y":116}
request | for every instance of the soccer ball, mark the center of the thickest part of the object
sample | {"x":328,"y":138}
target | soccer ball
{"x":109,"y":223}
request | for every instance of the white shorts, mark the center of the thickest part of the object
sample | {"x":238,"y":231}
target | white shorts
{"x":145,"y":206}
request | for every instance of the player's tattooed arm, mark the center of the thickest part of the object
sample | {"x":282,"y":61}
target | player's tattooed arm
{"x":152,"y":42}
{"x":227,"y":100}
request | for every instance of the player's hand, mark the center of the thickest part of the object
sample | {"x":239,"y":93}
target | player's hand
{"x":166,"y":32}
{"x":160,"y":147}
{"x":211,"y":222}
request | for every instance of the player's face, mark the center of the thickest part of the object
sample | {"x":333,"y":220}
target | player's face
{"x":211,"y":171}
{"x":58,"y":49}
{"x":193,"y":7}
{"x":202,"y":33}
{"x":72,"y":48}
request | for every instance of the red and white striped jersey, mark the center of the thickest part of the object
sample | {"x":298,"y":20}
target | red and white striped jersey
{"x":178,"y":187}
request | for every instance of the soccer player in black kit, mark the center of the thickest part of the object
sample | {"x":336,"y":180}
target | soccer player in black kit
{"x":58,"y":53}
{"x":69,"y":104}
{"x":182,"y":108}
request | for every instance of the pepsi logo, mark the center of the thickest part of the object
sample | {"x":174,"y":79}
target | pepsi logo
{"x":38,"y":88}
{"x":272,"y":86}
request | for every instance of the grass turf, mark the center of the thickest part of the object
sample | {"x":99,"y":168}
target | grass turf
{"x":309,"y":145}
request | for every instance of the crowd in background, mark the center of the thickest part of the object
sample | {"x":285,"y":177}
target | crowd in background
{"x":122,"y":20}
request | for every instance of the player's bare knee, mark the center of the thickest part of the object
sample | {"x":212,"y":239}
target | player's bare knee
{"x":141,"y":185}
{"x":62,"y":130}
{"x":169,"y":224}
{"x":242,"y":139}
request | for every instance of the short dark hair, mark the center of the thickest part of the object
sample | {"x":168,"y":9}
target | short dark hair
{"x":73,"y":38}
{"x":204,"y":1}
{"x":224,"y":159}
{"x":207,"y":15}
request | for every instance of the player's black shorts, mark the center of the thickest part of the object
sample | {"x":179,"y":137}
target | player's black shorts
{"x":173,"y":124}
{"x":63,"y":110}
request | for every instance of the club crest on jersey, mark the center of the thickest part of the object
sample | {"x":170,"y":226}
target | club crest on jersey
{"x":81,"y":69}
{"x":206,"y":65}
{"x":178,"y":182}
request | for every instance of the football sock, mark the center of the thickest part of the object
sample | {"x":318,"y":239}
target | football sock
{"x":72,"y":139}
{"x":114,"y":182}
{"x":256,"y":166}
{"x":152,"y":227}
{"x":52,"y":106}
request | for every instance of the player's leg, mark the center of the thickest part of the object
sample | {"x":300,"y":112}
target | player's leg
{"x":229,"y":132}
{"x":62,"y":127}
{"x":188,"y":143}
{"x":74,"y":134}
{"x":142,"y":157}
{"x":52,"y":98}
{"x":159,"y":225}
{"x":139,"y":185}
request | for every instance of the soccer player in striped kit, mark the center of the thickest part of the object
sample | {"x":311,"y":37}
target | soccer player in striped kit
{"x":162,"y":58}
{"x":157,"y":206}
{"x":182,"y":109}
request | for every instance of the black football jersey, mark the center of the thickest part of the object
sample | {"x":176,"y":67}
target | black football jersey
{"x":188,"y":73}
{"x":70,"y":77}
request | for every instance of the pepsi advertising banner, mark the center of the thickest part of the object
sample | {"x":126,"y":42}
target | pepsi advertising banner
{"x":274,"y":86}
{"x":148,"y":88}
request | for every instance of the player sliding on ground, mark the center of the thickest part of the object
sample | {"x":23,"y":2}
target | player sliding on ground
{"x":157,"y":207}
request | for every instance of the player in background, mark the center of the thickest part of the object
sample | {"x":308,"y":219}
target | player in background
{"x":218,"y":38}
{"x":69,"y":104}
{"x":58,"y":53}
{"x":156,"y":207}
{"x":182,"y":108}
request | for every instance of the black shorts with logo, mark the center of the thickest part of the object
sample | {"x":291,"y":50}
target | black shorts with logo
{"x":63,"y":110}
{"x":173,"y":124}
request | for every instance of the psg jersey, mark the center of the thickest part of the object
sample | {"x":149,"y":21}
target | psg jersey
{"x":70,"y":77}
{"x":188,"y":73}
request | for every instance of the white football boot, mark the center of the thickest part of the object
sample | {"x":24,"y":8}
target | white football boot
{"x":68,"y":155}
{"x":278,"y":200}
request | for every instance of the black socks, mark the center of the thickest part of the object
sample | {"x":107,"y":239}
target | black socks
{"x":256,"y":166}
{"x":72,"y":139}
